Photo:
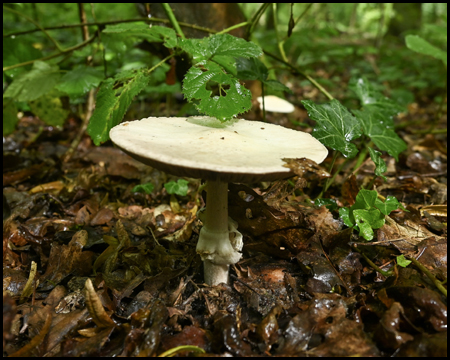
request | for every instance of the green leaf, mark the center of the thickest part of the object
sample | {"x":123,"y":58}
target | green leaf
{"x":345,"y":215}
{"x":369,"y":96}
{"x":18,"y":50}
{"x":366,"y":220}
{"x":365,"y":199}
{"x":80,"y":80}
{"x":179,"y":188}
{"x":232,"y":97}
{"x":143,"y":31}
{"x":402,"y":261}
{"x":113,"y":99}
{"x":10,"y":119}
{"x":144,"y":188}
{"x":389,"y":205}
{"x":49,"y":108}
{"x":251,"y":69}
{"x":276,"y":86}
{"x":330,"y":204}
{"x":379,"y":163}
{"x":31,"y":85}
{"x":420,"y":45}
{"x":374,"y":126}
{"x":336,"y":127}
{"x":219,"y":45}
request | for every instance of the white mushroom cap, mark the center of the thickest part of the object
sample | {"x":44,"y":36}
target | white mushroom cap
{"x":203,"y":147}
{"x":275,"y":104}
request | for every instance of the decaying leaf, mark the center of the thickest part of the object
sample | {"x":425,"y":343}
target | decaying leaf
{"x":95,"y":307}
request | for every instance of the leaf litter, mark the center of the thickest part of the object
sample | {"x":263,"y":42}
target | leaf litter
{"x":117,"y":272}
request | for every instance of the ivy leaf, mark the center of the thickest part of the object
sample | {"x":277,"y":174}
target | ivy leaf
{"x":80,"y":80}
{"x":144,"y":188}
{"x":233,"y":98}
{"x":143,"y":31}
{"x":365,"y":199}
{"x":379,"y":163}
{"x":330,"y":204}
{"x":113,"y":99}
{"x":389,"y":205}
{"x":369,"y":96}
{"x":422,"y":46}
{"x":336,"y":127}
{"x":374,"y":126}
{"x":402,"y":261}
{"x":179,"y":188}
{"x":31,"y":85}
{"x":366,"y":220}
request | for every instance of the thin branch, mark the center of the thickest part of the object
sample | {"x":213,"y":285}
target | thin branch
{"x":112,"y":22}
{"x":298,"y":71}
{"x":36,"y":24}
{"x":173,"y":19}
{"x":73,"y":48}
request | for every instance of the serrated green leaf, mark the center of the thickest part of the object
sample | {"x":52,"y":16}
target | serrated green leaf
{"x":80,"y":80}
{"x":178,"y":188}
{"x":374,"y":126}
{"x":219,"y":45}
{"x":10,"y":119}
{"x":49,"y":108}
{"x":31,"y":85}
{"x":113,"y":99}
{"x":223,"y":107}
{"x":389,"y":205}
{"x":369,"y":96}
{"x":144,"y":188}
{"x":143,"y":31}
{"x":336,"y":127}
{"x":422,"y":46}
{"x":402,"y":261}
{"x":379,"y":163}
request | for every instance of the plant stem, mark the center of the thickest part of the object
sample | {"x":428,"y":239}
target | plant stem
{"x":173,"y":19}
{"x":255,"y":19}
{"x":298,"y":71}
{"x":263,"y":101}
{"x":103,"y":23}
{"x":36,"y":24}
{"x":73,"y":48}
{"x":237,"y":26}
{"x":435,"y":281}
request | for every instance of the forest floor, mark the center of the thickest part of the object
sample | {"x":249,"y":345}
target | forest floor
{"x":91,"y":268}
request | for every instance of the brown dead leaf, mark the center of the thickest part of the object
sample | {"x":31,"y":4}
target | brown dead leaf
{"x":350,"y":189}
{"x":65,"y":259}
{"x":95,"y":307}
{"x":303,"y":165}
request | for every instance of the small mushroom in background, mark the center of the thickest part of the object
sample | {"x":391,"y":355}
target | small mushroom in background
{"x":234,"y":151}
{"x":273,"y":103}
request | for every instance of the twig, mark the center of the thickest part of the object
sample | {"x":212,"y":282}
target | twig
{"x":112,"y":22}
{"x":73,"y":48}
{"x":173,"y":19}
{"x":435,"y":281}
{"x":298,"y":71}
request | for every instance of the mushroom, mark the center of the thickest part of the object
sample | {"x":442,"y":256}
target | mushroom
{"x":275,"y":104}
{"x":234,"y":151}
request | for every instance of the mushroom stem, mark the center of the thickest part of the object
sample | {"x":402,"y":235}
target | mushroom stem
{"x":214,"y":245}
